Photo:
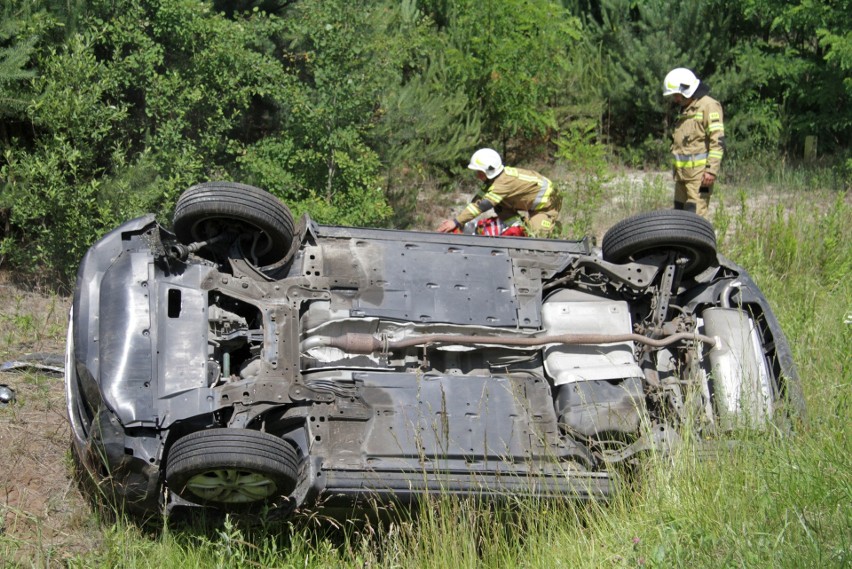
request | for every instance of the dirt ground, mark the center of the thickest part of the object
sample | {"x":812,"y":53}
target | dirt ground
{"x":43,"y":517}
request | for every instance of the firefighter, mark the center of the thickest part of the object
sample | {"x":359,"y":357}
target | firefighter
{"x":509,"y":191}
{"x":698,"y":140}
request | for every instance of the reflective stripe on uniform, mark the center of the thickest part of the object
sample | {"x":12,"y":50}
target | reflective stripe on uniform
{"x":716,"y":154}
{"x":542,"y":198}
{"x":495,"y":199}
{"x":473,"y":209}
{"x":514,"y":173}
{"x":690,"y":160}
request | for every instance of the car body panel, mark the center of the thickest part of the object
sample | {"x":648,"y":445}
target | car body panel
{"x":161,"y":347}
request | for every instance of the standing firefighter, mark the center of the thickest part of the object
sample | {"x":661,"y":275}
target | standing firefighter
{"x":509,"y":191}
{"x":698,"y":140}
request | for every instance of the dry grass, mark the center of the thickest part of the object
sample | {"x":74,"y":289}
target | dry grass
{"x":43,"y":518}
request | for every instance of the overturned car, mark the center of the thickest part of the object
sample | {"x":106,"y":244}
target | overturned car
{"x":241,"y":360}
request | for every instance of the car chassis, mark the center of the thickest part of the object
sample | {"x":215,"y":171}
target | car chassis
{"x":244,"y":361}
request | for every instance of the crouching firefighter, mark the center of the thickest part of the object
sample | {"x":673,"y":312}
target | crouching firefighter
{"x":510,"y":192}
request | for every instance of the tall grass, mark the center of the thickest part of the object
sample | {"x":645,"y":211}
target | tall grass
{"x":774,"y":500}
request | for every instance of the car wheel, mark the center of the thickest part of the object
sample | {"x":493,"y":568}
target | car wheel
{"x":231,"y":468}
{"x":207,"y":210}
{"x":665,"y":230}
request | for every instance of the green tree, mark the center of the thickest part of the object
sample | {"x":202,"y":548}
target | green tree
{"x":790,"y":62}
{"x":26,"y":28}
{"x":337,"y":61}
{"x":14,"y":73}
{"x":640,"y":42}
{"x":426,"y":118}
{"x":511,"y":57}
{"x":780,"y":68}
{"x":428,"y":128}
{"x":168,"y":86}
{"x":55,"y":208}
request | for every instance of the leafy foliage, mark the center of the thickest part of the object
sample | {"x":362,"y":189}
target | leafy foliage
{"x":799,"y":74}
{"x":339,"y":59}
{"x":167,"y":84}
{"x":583,"y":193}
{"x":780,"y":68}
{"x":50,"y":192}
{"x":428,"y":125}
{"x":111,"y":108}
{"x":640,"y":43}
{"x":510,"y":56}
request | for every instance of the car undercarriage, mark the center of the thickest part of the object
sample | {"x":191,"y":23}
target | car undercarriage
{"x":240,"y":360}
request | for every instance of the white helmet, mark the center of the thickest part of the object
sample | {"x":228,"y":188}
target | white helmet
{"x":680,"y":80}
{"x":488,"y":161}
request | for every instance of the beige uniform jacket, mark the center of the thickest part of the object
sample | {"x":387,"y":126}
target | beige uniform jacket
{"x":698,"y":139}
{"x":515,"y":189}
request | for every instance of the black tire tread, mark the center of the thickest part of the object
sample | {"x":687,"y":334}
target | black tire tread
{"x":238,"y":201}
{"x":232,"y":448}
{"x":271,"y":449}
{"x":674,"y":229}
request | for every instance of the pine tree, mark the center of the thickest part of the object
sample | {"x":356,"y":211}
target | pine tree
{"x":15,"y":55}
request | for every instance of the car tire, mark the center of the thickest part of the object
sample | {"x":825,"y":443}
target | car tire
{"x":235,"y":469}
{"x":663,"y":230}
{"x":206,"y":210}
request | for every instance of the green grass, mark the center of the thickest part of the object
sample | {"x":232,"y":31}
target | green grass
{"x":775,"y":500}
